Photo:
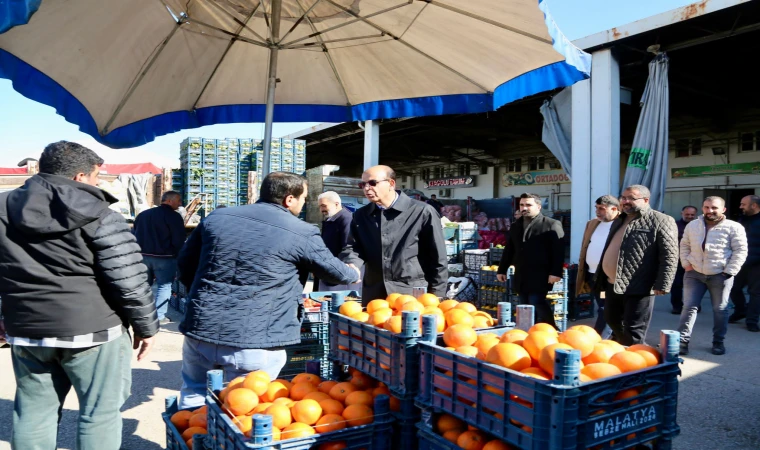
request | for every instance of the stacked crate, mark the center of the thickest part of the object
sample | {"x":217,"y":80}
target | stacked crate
{"x":460,"y":237}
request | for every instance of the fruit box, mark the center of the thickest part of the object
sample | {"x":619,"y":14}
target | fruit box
{"x":320,"y":313}
{"x":174,"y":439}
{"x":391,"y":358}
{"x":560,"y":414}
{"x":314,"y":346}
{"x":223,"y":434}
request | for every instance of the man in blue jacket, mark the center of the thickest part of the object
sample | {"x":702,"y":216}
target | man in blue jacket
{"x":160,"y":232}
{"x":246,"y":267}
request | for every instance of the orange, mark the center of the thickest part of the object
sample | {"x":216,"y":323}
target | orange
{"x":284,"y":401}
{"x":585,"y":378}
{"x":458,"y":316}
{"x":615,"y":346}
{"x":466,"y":307}
{"x":452,"y":435}
{"x":275,"y":390}
{"x":357,"y":415}
{"x":309,"y":377}
{"x":242,"y":401}
{"x":646,"y":348}
{"x":413,"y":306}
{"x":325,"y":386}
{"x":332,"y":406}
{"x":589,"y":331}
{"x":468,"y":350}
{"x":235,"y":383}
{"x":448,"y":422}
{"x":360,"y":398}
{"x":374,"y":305}
{"x":361,"y":317}
{"x":628,"y":361}
{"x":440,"y":318}
{"x":459,"y":335}
{"x":514,"y":336}
{"x":330,"y":422}
{"x":598,"y":371}
{"x":601,"y":354}
{"x":297,"y":430}
{"x":350,"y":308}
{"x":379,"y":317}
{"x":245,"y":423}
{"x":543,"y":327}
{"x":395,"y":404}
{"x":202,"y":410}
{"x":299,"y":390}
{"x":627,"y":393}
{"x":363,"y":381}
{"x":497,"y":445}
{"x":578,"y":340}
{"x":188,"y":434}
{"x":285,"y":383}
{"x":181,"y":419}
{"x":535,"y":372}
{"x":446,"y":305}
{"x":281,"y":416}
{"x":391,"y":298}
{"x":429,"y":300}
{"x":340,"y":445}
{"x":276,"y":434}
{"x":189,"y":443}
{"x":546,"y":360}
{"x":481,"y":322}
{"x":380,"y":390}
{"x":318,"y":396}
{"x":484,"y":343}
{"x":393,"y":324}
{"x":648,"y":357}
{"x":256,"y":383}
{"x":341,"y":390}
{"x":261,"y":408}
{"x":537,"y":340}
{"x":511,"y":356}
{"x":401,"y":300}
{"x":198,"y":420}
{"x":472,"y":440}
{"x":306,"y":411}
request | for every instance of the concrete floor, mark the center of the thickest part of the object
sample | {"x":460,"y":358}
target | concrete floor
{"x":718,"y":405}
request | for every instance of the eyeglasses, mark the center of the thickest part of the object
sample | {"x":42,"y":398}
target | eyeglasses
{"x":631,"y":199}
{"x":373,"y":183}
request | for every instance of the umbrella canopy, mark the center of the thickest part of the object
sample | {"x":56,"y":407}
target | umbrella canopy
{"x":648,"y":162}
{"x":128,"y":71}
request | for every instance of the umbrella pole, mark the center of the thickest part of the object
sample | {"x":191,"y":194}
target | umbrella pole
{"x":271,"y":83}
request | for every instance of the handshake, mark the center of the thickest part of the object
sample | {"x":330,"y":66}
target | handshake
{"x":358,"y":273}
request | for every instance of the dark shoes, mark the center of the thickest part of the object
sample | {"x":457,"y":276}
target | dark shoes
{"x":753,"y":328}
{"x":718,"y":348}
{"x":165,"y":321}
{"x":675,"y":312}
{"x":735,"y":317}
{"x":683,"y":349}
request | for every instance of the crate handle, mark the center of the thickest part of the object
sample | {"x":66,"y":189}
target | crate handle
{"x":214,"y":380}
{"x":669,"y":345}
{"x":171,"y":405}
{"x":410,"y":324}
{"x":503,"y":313}
{"x":336,"y":302}
{"x":429,"y":328}
{"x":262,"y":429}
{"x":567,"y":367}
{"x":525,"y":314}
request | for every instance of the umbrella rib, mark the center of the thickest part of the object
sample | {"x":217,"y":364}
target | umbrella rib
{"x":229,"y":33}
{"x":300,"y":19}
{"x":328,"y":56}
{"x":411,"y":47}
{"x":159,"y":49}
{"x":332,"y":41}
{"x":239,"y":22}
{"x":226,"y":50}
{"x":350,"y":22}
{"x":490,"y":22}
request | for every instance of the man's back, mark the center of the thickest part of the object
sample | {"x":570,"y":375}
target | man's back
{"x":160,"y":231}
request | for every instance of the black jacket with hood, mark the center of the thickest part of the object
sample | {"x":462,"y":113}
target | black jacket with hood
{"x":68,"y":264}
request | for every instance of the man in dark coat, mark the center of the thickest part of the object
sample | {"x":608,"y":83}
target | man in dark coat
{"x":72,"y":281}
{"x":688,"y":213}
{"x":399,"y":241}
{"x":246,"y":267}
{"x":535,"y":249}
{"x":336,"y":232}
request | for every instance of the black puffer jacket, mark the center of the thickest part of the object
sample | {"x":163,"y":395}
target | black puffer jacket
{"x":68,"y":264}
{"x":648,"y":254}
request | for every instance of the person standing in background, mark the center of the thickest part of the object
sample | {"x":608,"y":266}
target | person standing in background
{"x":336,"y":233}
{"x":688,"y":213}
{"x":750,"y":273}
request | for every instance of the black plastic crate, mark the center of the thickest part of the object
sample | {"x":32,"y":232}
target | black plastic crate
{"x":474,"y":260}
{"x":488,"y":278}
{"x":581,"y":307}
{"x":314,"y":346}
{"x":495,"y":255}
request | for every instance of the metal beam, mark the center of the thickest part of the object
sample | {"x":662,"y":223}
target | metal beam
{"x":271,"y":84}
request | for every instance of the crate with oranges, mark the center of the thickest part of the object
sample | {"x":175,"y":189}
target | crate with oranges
{"x":182,"y":426}
{"x":381,"y":339}
{"x":446,"y":432}
{"x":306,"y":412}
{"x":540,"y":389}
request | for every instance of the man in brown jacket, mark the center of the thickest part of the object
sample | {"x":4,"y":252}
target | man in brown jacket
{"x":594,"y":238}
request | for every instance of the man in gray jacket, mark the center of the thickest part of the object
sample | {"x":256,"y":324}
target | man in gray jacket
{"x":639,"y":261}
{"x":713,"y":250}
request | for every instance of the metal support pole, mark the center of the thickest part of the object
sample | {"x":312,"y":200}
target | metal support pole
{"x":581,"y":151}
{"x":271,"y":82}
{"x":605,"y":124}
{"x":371,"y":143}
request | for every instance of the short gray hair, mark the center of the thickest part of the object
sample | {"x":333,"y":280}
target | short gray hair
{"x":643,"y":190}
{"x":608,"y":200}
{"x":715,"y":198}
{"x":330,"y":195}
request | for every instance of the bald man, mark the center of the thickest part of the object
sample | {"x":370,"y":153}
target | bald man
{"x":398,"y":240}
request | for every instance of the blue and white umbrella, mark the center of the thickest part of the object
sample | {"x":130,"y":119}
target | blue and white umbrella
{"x":128,"y":71}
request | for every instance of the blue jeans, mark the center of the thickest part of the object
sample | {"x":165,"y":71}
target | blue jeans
{"x":199,"y":357}
{"x":101,"y":377}
{"x":162,"y":270}
{"x":695,"y":285}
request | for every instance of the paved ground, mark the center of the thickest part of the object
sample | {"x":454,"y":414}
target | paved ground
{"x":718,"y":406}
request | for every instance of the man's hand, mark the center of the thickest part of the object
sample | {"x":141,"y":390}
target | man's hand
{"x":2,"y":332}
{"x":553,"y":279}
{"x":358,"y":273}
{"x":501,"y":277}
{"x":145,"y":344}
{"x":688,"y":268}
{"x":656,"y":292}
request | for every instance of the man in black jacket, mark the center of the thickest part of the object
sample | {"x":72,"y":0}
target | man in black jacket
{"x":336,"y":232}
{"x":399,"y":241}
{"x":535,"y":249}
{"x":71,"y":280}
{"x":245,"y":268}
{"x":160,"y":232}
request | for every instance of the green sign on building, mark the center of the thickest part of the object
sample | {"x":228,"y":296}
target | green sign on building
{"x":717,"y":170}
{"x":639,"y":158}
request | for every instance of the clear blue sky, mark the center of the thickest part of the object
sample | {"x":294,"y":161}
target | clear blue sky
{"x":26,"y":126}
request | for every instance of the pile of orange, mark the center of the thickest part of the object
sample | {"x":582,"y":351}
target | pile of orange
{"x":467,"y":437}
{"x":304,"y":406}
{"x":190,"y":422}
{"x":386,"y":313}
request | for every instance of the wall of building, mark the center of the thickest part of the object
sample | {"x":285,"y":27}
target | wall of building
{"x":483,"y":189}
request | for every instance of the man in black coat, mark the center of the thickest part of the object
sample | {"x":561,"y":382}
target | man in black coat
{"x":535,"y":249}
{"x":72,"y":280}
{"x":336,"y":232}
